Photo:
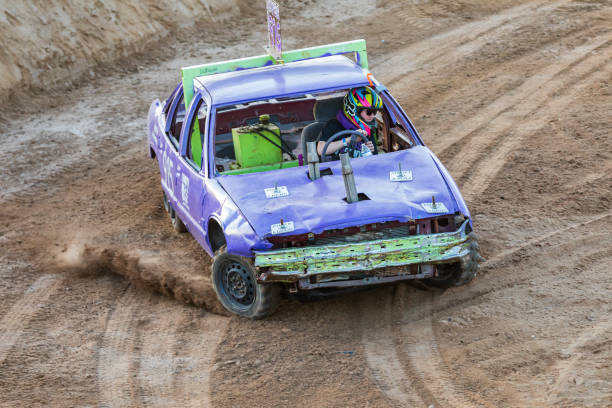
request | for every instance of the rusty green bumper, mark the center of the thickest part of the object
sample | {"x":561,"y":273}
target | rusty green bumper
{"x":293,"y":264}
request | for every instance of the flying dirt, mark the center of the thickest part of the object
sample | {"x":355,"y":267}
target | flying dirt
{"x":104,"y":304}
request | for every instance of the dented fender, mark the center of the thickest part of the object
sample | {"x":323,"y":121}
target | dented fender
{"x":240,"y":236}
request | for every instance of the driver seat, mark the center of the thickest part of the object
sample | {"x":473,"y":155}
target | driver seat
{"x":323,"y":111}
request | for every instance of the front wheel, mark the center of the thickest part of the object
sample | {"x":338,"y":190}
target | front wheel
{"x":236,"y":286}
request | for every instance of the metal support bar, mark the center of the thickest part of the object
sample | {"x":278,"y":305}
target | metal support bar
{"x":349,"y":178}
{"x":313,"y":160}
{"x":304,"y":284}
{"x":357,"y":47}
{"x":290,"y":264}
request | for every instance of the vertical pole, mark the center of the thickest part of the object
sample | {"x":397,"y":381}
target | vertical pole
{"x":313,"y":161}
{"x":349,"y":178}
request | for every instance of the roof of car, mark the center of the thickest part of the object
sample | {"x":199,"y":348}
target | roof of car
{"x":299,"y":77}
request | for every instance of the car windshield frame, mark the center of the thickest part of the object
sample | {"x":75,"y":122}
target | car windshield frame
{"x":396,"y":111}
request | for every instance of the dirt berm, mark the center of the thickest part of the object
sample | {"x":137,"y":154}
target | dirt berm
{"x":57,"y":41}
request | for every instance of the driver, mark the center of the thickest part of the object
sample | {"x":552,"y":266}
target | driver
{"x":358,"y":113}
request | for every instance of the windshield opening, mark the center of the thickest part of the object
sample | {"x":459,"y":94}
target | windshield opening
{"x":271,"y":134}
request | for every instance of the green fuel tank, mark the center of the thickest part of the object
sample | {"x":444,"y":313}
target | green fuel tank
{"x":258,"y":144}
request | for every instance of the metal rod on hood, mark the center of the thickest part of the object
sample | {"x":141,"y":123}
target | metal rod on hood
{"x":313,"y":160}
{"x":349,"y":179}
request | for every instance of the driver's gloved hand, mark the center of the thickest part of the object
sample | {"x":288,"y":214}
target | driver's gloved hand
{"x":365,"y":151}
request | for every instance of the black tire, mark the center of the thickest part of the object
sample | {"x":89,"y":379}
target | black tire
{"x":177,"y":223}
{"x":166,"y":203}
{"x":459,"y":273}
{"x":236,"y":286}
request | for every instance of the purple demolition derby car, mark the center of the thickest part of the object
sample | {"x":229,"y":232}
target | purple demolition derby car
{"x":242,"y":170}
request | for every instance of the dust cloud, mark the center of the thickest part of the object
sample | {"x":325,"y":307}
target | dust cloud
{"x":142,"y":268}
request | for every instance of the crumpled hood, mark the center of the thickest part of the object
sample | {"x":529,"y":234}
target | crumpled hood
{"x":315,"y":206}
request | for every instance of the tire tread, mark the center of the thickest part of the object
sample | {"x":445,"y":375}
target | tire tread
{"x":268,"y":295}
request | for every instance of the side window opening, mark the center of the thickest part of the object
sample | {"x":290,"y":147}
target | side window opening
{"x":196,"y":137}
{"x":168,"y":103}
{"x":166,"y":109}
{"x":261,"y":135}
{"x":177,"y":123}
{"x":396,"y":136}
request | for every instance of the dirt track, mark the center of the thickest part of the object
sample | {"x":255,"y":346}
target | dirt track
{"x":514,"y":97}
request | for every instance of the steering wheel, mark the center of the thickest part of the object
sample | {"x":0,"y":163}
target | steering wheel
{"x":336,"y":136}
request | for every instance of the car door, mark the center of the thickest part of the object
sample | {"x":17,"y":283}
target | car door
{"x":191,"y":185}
{"x":169,"y":147}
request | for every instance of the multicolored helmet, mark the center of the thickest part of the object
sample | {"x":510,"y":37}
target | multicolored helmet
{"x":358,"y":99}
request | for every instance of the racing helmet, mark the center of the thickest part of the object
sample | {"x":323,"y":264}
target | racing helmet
{"x":357,"y":99}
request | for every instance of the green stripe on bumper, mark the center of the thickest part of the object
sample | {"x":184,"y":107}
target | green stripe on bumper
{"x":363,"y":256}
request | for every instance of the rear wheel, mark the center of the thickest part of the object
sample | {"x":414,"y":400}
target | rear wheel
{"x":166,"y":203}
{"x":236,"y":286}
{"x":176,"y":222}
{"x":174,"y":218}
{"x":459,"y":273}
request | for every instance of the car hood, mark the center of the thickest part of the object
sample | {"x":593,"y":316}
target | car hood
{"x":315,"y":206}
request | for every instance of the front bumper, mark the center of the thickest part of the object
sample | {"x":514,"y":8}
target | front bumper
{"x":363,"y":263}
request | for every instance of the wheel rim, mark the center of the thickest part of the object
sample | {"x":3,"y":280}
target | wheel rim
{"x":238,"y":284}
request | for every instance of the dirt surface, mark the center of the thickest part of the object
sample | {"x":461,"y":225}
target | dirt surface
{"x":103,"y":304}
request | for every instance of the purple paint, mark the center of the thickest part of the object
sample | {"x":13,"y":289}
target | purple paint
{"x":315,"y":206}
{"x":296,"y":78}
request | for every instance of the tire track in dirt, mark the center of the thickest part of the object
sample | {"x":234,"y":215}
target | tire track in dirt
{"x":588,"y":340}
{"x":594,"y":250}
{"x":482,"y":175}
{"x":598,"y":248}
{"x":156,"y":352}
{"x":200,"y":348}
{"x":458,"y":42}
{"x":17,"y":317}
{"x":606,"y":171}
{"x":506,"y":110}
{"x":414,"y":14}
{"x":425,"y":360}
{"x":541,"y":238}
{"x":156,"y":341}
{"x":426,"y":364}
{"x":176,"y":348}
{"x":565,"y":366}
{"x":116,"y":358}
{"x":381,"y":356}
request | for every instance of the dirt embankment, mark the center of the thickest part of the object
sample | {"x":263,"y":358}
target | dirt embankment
{"x":56,"y":41}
